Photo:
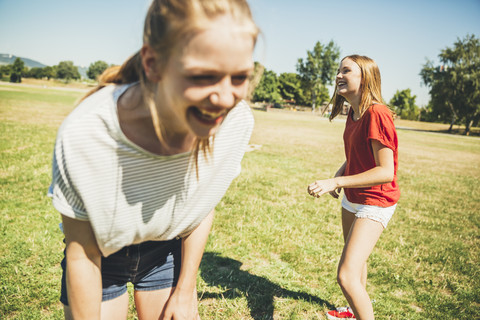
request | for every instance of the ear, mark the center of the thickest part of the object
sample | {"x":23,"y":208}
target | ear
{"x":149,"y":63}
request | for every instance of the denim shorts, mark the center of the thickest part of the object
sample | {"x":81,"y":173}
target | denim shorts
{"x":151,"y":265}
{"x":375,"y":213}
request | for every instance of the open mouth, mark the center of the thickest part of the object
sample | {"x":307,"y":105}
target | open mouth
{"x":208,"y":116}
{"x":341,"y":84}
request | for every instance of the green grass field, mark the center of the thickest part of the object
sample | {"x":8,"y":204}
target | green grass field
{"x":273,"y":250}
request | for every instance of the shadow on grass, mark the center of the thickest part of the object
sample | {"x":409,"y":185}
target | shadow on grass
{"x":259,"y":292}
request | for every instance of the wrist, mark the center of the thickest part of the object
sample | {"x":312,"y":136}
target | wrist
{"x":185,"y":286}
{"x":338,"y":182}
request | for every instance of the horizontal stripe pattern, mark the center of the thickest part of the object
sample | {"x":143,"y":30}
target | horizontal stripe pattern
{"x":128,"y":194}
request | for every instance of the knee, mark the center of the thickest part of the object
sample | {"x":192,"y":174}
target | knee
{"x":346,"y":278}
{"x":342,"y":278}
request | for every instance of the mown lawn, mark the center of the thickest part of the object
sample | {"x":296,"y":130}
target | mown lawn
{"x":273,"y":250}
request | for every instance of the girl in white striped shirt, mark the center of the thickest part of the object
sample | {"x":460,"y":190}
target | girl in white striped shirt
{"x":141,"y":163}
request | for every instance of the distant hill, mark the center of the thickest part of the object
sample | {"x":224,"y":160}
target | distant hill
{"x":6,"y":58}
{"x":9,"y":59}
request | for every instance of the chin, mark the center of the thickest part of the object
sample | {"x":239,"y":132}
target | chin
{"x":205,"y":133}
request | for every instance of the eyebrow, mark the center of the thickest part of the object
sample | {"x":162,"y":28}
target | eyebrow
{"x":200,"y":70}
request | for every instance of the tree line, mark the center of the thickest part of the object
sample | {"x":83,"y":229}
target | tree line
{"x":454,"y":83}
{"x":65,"y":70}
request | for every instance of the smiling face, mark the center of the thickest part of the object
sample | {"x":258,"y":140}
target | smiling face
{"x":349,"y":80}
{"x":205,"y":77}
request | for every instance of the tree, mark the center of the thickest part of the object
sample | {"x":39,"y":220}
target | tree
{"x":318,"y":69}
{"x":290,"y":88}
{"x":404,"y":104}
{"x":17,"y":69}
{"x":36,"y":73}
{"x":95,"y":69}
{"x":455,"y":84}
{"x":267,"y":89}
{"x":66,"y":70}
{"x":5,"y":70}
{"x":49,"y":72}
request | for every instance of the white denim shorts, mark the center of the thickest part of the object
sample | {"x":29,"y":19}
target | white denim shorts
{"x":375,"y":213}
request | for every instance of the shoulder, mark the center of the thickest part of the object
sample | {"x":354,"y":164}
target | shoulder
{"x":96,"y":106}
{"x":379,"y":112}
{"x":379,"y":109}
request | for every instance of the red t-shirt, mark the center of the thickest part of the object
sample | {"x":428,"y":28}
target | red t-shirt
{"x":376,"y":123}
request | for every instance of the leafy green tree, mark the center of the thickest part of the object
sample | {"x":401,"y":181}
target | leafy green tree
{"x":66,"y":70}
{"x":455,"y":84}
{"x":36,"y":73}
{"x":17,"y":69}
{"x":49,"y":72}
{"x":95,"y":69}
{"x":290,"y":88}
{"x":404,"y":105}
{"x":267,"y":90}
{"x":318,"y":69}
{"x":5,"y":70}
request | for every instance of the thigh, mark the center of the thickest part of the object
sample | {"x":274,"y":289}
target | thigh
{"x":116,"y":308}
{"x":112,"y":309}
{"x":363,"y":235}
{"x":347,"y":221}
{"x":150,"y":304}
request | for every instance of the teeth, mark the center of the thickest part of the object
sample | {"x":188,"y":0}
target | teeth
{"x":211,"y":114}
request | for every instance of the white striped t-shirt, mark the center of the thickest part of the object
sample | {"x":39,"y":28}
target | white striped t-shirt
{"x":128,"y":194}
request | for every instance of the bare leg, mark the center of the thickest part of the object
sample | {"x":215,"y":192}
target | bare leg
{"x":111,"y":309}
{"x":116,"y":308}
{"x":150,"y":304}
{"x":361,"y":239}
{"x":347,"y":221}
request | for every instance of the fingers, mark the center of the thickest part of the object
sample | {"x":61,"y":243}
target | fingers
{"x":315,"y":190}
{"x":318,"y":188}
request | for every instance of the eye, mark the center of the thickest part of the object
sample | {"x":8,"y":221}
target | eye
{"x":240,"y":79}
{"x":203,"y":79}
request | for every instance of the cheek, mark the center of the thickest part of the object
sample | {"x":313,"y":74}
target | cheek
{"x":196,"y":94}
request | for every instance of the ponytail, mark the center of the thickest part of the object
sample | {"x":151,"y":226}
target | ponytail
{"x":129,"y":72}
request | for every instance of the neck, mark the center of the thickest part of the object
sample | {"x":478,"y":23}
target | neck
{"x":355,"y":105}
{"x":136,"y":122}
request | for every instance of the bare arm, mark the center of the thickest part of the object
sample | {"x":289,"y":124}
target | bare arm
{"x":382,"y":173}
{"x":335,"y":193}
{"x":84,"y":279}
{"x":183,"y":302}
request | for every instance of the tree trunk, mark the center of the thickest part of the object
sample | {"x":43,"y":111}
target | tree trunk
{"x":468,"y":124}
{"x":454,"y":117}
{"x":314,"y":99}
{"x":451,"y":124}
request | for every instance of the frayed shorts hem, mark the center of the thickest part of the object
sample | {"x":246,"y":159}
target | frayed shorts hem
{"x":375,"y":213}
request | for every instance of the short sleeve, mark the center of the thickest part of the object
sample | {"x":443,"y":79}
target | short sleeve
{"x":381,"y":127}
{"x":65,"y":198}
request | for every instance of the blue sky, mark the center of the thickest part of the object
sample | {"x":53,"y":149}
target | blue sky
{"x":399,"y":35}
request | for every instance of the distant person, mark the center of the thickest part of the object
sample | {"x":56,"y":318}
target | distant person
{"x":143,"y":160}
{"x":368,"y":176}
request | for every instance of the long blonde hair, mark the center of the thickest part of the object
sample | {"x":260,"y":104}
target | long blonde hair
{"x":167,"y":22}
{"x":371,"y":86}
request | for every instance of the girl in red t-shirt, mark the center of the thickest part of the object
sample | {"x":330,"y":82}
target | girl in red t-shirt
{"x":369,"y":177}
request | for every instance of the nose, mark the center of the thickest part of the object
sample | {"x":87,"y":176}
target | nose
{"x":225,"y":94}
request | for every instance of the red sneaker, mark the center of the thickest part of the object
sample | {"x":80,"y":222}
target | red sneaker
{"x":341,"y":313}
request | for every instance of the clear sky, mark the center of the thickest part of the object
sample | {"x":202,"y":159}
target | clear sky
{"x":399,"y":35}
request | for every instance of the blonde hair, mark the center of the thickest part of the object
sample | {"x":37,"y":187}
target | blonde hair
{"x":371,"y":86}
{"x":168,"y":22}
